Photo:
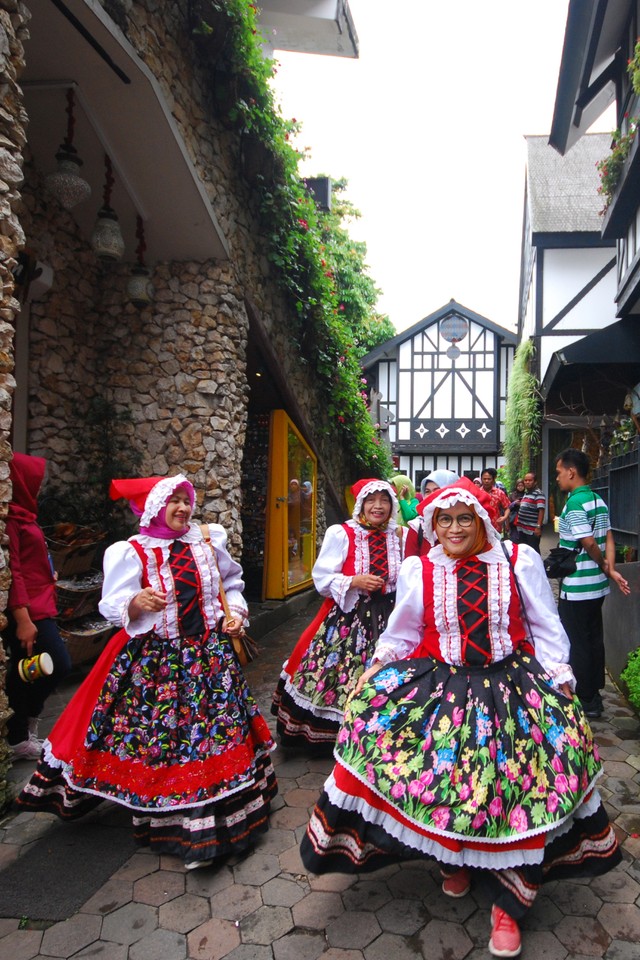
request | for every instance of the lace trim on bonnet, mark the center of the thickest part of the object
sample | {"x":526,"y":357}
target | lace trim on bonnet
{"x":373,"y":487}
{"x":450,"y":496}
{"x":159,"y":495}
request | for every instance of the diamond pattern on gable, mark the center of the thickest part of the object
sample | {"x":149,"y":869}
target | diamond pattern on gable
{"x":463,"y":430}
{"x":484,"y":430}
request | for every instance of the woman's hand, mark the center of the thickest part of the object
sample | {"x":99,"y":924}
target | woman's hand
{"x":234,"y":626}
{"x":367,"y":582}
{"x":147,"y":601}
{"x":366,"y":676}
{"x":566,"y":690}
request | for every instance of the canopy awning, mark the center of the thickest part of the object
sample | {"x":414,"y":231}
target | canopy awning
{"x":596,"y":372}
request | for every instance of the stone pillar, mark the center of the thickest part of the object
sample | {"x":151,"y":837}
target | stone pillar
{"x":13,"y":29}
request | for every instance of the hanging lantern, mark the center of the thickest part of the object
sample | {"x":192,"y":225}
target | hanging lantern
{"x":106,"y":239}
{"x":139,"y":287}
{"x":65,"y":183}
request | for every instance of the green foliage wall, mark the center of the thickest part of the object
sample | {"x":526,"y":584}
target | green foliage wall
{"x":523,"y":415}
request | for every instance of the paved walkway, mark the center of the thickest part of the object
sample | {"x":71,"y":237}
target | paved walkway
{"x":266,"y":907}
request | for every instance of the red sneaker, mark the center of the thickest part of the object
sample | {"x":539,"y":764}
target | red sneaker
{"x":456,"y":884}
{"x":505,"y":934}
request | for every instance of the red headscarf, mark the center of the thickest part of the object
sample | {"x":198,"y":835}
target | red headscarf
{"x":27,"y":474}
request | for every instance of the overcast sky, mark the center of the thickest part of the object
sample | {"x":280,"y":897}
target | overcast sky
{"x":428,"y":126}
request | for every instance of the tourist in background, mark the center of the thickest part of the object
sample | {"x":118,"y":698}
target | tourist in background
{"x":407,"y":500}
{"x":530,"y":515}
{"x":584,"y":526}
{"x":499,"y":499}
{"x":31,"y":609}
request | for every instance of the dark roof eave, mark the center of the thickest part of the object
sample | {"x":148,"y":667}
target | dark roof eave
{"x":580,"y":20}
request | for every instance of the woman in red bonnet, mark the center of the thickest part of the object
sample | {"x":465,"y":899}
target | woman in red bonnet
{"x":463,"y":741}
{"x":356,"y":571}
{"x":165,"y":723}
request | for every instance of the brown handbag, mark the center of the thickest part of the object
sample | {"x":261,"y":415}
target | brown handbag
{"x":245,"y":648}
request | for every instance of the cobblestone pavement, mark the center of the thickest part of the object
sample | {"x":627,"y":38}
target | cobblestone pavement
{"x":266,"y":907}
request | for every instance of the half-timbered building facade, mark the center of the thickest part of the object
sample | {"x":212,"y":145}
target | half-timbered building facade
{"x":440,"y":387}
{"x":567,"y":288}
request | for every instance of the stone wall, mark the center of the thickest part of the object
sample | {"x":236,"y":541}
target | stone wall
{"x":178,"y":367}
{"x":12,"y":140}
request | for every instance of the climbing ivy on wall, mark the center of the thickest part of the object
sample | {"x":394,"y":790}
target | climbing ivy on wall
{"x":296,"y":235}
{"x":523,"y":418}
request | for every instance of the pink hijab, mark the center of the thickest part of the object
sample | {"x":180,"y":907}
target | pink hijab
{"x":148,"y":498}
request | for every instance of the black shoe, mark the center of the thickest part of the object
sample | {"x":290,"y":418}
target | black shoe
{"x":592,"y":708}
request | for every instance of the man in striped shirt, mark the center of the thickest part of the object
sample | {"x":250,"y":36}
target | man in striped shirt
{"x":530,"y":514}
{"x":584,"y":526}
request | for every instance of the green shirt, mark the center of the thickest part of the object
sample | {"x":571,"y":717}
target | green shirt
{"x":585,"y":514}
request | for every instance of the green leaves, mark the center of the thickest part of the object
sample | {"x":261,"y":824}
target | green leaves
{"x":523,"y":418}
{"x":319,"y":267}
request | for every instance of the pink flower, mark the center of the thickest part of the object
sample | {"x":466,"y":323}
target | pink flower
{"x":427,"y":797}
{"x":536,"y":734}
{"x":479,"y":819}
{"x":493,"y":749}
{"x":379,"y":700}
{"x":329,"y":697}
{"x":398,"y":790}
{"x":371,"y":773}
{"x":556,"y":763}
{"x":561,"y":783}
{"x":427,"y":777}
{"x":464,"y":791}
{"x":440,"y":817}
{"x":552,"y":802}
{"x":457,"y":716}
{"x":533,"y":698}
{"x":573,"y":783}
{"x":526,"y":783}
{"x":495,"y":807}
{"x":343,"y":735}
{"x":416,"y":788}
{"x":358,"y":724}
{"x":518,"y":819}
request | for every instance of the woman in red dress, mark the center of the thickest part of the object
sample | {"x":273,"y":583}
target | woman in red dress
{"x":463,"y":741}
{"x":165,"y":723}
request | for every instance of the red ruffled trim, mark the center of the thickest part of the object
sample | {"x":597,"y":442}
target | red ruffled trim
{"x":350,"y":785}
{"x":148,"y":782}
{"x":67,"y":736}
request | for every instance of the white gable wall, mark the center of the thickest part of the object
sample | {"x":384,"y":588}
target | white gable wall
{"x":566,"y":273}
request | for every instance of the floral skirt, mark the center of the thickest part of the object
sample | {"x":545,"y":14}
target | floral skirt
{"x":315,"y":682}
{"x":174,"y":734}
{"x":478,"y":767}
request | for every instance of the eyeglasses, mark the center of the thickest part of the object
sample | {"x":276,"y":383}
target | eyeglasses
{"x":464,"y":520}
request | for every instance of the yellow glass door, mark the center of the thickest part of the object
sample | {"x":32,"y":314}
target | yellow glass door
{"x":290,"y":547}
